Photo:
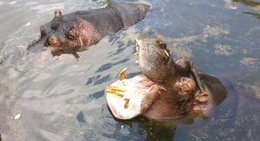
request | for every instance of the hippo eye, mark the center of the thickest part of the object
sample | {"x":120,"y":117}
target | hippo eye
{"x":71,"y":35}
{"x":161,"y":44}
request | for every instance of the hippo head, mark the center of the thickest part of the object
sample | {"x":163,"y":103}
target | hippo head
{"x":76,"y":31}
{"x":61,"y":35}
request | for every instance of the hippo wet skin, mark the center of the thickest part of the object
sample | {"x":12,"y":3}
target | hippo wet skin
{"x":76,"y":31}
{"x":166,"y":89}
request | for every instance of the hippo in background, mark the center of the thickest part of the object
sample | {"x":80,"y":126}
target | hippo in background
{"x":76,"y":31}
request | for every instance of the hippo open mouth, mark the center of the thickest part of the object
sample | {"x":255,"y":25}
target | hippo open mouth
{"x":166,"y":89}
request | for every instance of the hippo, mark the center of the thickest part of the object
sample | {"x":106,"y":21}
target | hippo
{"x":165,"y":89}
{"x":76,"y":31}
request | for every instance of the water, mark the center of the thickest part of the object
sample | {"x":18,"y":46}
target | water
{"x":61,"y":98}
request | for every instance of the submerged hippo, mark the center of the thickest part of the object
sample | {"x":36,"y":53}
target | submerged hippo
{"x":166,"y":89}
{"x":75,"y":31}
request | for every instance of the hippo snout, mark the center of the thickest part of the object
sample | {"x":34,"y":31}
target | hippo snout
{"x":54,"y":41}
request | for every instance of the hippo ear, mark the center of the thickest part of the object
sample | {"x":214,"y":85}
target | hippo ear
{"x":57,"y":13}
{"x":56,"y":20}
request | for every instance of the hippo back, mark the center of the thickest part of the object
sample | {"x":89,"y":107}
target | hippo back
{"x":131,"y":13}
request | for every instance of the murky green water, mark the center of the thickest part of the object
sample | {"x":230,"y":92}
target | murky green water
{"x":62,"y":99}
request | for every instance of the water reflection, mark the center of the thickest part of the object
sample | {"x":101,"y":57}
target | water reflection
{"x":257,"y":15}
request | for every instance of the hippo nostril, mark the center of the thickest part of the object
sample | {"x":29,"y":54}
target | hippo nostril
{"x":161,"y":44}
{"x":53,"y":42}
